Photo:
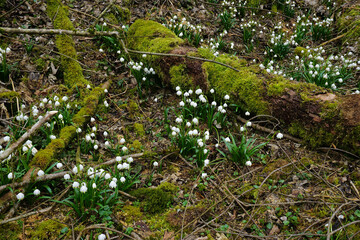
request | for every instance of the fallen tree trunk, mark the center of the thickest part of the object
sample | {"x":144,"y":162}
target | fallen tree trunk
{"x":315,"y":114}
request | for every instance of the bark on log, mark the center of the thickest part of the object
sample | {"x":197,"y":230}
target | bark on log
{"x":317,"y":115}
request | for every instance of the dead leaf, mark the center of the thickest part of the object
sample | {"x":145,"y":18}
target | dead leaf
{"x":168,"y":235}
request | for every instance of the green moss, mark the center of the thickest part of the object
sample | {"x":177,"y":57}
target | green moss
{"x":179,"y":77}
{"x":132,"y":107}
{"x":122,"y":14}
{"x":278,"y":85}
{"x":301,"y":52}
{"x":9,"y":95}
{"x":67,"y":134}
{"x":155,"y":200}
{"x":72,"y":70}
{"x":40,"y":64}
{"x":136,"y":146}
{"x":139,"y":129}
{"x":12,"y":231}
{"x":44,"y":157}
{"x":245,"y":85}
{"x":349,"y":24}
{"x":131,"y":213}
{"x":49,"y":229}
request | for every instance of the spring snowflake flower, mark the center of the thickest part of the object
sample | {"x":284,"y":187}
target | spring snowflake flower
{"x":75,"y":184}
{"x":279,"y":136}
{"x":60,"y":116}
{"x":67,"y":176}
{"x":177,"y":88}
{"x":107,"y":144}
{"x":205,"y":151}
{"x":203,"y":175}
{"x":106,"y":134}
{"x":124,"y":149}
{"x":195,"y":121}
{"x":341,"y":217}
{"x":36,"y":192}
{"x":247,"y":113}
{"x":201,"y":144}
{"x":178,"y":120}
{"x":248,"y":163}
{"x":40,"y":173}
{"x":83,"y":188}
{"x":101,"y":237}
{"x":52,"y":137}
{"x":206,"y":162}
{"x":188,"y":124}
{"x":93,"y":185}
{"x":173,"y":133}
{"x":88,"y":86}
{"x":92,"y":119}
{"x":118,"y":159}
{"x":6,"y":139}
{"x":20,"y":196}
{"x":227,"y":139}
{"x":78,"y":130}
{"x":248,"y":124}
{"x":65,"y":98}
{"x":155,"y":100}
{"x":122,"y":179}
{"x":122,"y":59}
{"x":122,"y":141}
{"x":198,"y":91}
{"x":96,"y":147}
{"x":112,"y":184}
{"x":182,"y":104}
{"x":10,"y":175}
{"x":107,"y":176}
{"x":25,"y":148}
{"x":226,"y":97}
{"x":155,"y":164}
{"x":129,"y":159}
{"x":106,"y":104}
{"x":242,"y":129}
{"x":87,"y":138}
{"x":59,"y":165}
{"x":57,"y":104}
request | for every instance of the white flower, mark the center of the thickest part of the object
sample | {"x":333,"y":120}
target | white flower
{"x":83,"y":188}
{"x":173,"y":133}
{"x":279,"y":136}
{"x":248,"y":124}
{"x":65,"y":98}
{"x":25,"y":148}
{"x":59,"y":165}
{"x":36,"y":192}
{"x":182,"y":104}
{"x":203,"y":175}
{"x":93,"y":185}
{"x":57,"y":104}
{"x":52,"y":137}
{"x":6,"y":139}
{"x":112,"y":184}
{"x":67,"y":176}
{"x":78,"y":130}
{"x":122,"y":141}
{"x":92,"y":119}
{"x":10,"y":175}
{"x":178,"y":120}
{"x":75,"y":184}
{"x":101,"y":237}
{"x":155,"y":100}
{"x":212,"y":90}
{"x":122,"y":59}
{"x":201,"y":144}
{"x":75,"y":170}
{"x":106,"y":104}
{"x":107,"y":144}
{"x":213,"y":103}
{"x":118,"y":159}
{"x":227,"y":139}
{"x":248,"y":163}
{"x":124,"y":149}
{"x":188,"y":124}
{"x":105,"y":134}
{"x":40,"y":173}
{"x":155,"y":164}
{"x":96,"y":147}
{"x":88,"y":86}
{"x":178,"y":93}
{"x":242,"y":129}
{"x":44,"y":100}
{"x":177,"y":88}
{"x":122,"y":179}
{"x":226,"y":97}
{"x":129,"y":159}
{"x":195,"y":121}
{"x":120,"y":166}
{"x":247,"y":114}
{"x":206,"y":162}
{"x":20,"y":196}
{"x":107,"y":176}
{"x":60,"y":116}
{"x":126,"y":165}
{"x":198,"y":91}
{"x":341,"y":217}
{"x":100,"y":50}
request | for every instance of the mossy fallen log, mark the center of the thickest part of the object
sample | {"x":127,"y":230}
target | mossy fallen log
{"x":317,"y":115}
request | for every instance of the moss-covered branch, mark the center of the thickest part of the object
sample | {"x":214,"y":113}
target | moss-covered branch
{"x":317,"y":115}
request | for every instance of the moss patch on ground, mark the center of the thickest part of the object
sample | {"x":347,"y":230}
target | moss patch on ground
{"x":49,"y":229}
{"x":156,"y":200}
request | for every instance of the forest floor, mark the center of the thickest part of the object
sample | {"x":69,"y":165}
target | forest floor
{"x":284,"y":190}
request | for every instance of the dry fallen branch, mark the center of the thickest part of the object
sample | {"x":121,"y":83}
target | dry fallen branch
{"x":58,"y":31}
{"x":26,"y":135}
{"x":61,"y":174}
